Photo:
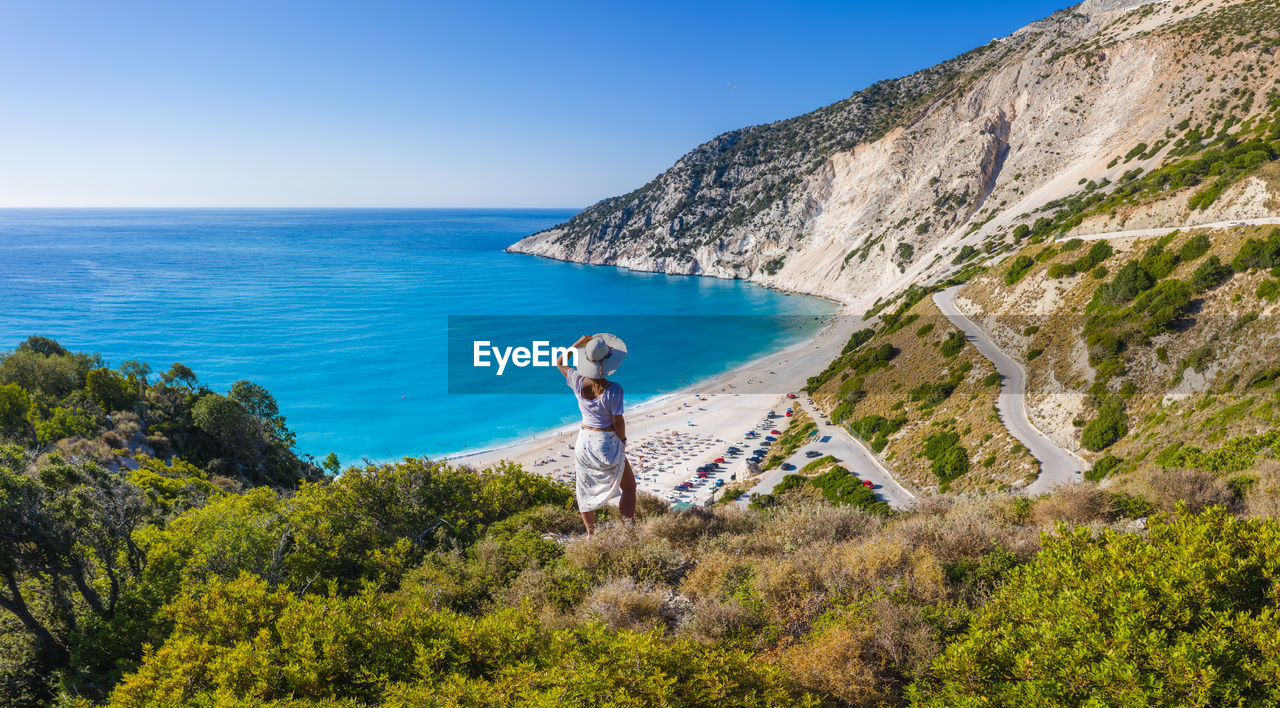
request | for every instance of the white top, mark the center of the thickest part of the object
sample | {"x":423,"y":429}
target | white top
{"x":597,"y":412}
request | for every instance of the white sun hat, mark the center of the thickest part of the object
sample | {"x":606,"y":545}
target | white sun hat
{"x":601,"y":356}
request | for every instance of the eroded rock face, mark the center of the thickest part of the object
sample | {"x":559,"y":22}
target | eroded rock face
{"x":864,"y":197}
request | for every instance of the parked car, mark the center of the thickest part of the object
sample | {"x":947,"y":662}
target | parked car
{"x":719,"y":482}
{"x":825,"y":439}
{"x":775,"y":432}
{"x":867,"y":483}
{"x":769,"y":438}
{"x":788,"y":414}
{"x":813,"y":453}
{"x":719,"y":460}
{"x":791,"y":395}
{"x":787,"y":466}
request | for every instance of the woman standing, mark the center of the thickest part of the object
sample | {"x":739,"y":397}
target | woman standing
{"x":600,"y":453}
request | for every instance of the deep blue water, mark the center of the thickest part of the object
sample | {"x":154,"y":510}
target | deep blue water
{"x":343,"y":314}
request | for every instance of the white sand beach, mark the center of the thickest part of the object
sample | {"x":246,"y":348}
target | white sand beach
{"x":669,"y":438}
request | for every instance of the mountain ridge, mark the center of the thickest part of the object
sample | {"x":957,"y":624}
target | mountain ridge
{"x":948,"y":163}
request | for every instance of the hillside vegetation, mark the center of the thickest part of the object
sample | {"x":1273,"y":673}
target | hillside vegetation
{"x":420,"y":583}
{"x":1160,"y":355}
{"x":1103,"y":116}
{"x":924,"y":400}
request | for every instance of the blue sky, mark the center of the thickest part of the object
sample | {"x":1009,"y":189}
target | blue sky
{"x":555,"y":104}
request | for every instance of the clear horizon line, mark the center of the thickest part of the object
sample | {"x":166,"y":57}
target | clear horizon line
{"x":300,"y":206}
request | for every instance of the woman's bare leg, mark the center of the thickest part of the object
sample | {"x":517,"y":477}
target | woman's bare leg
{"x":627,"y":504}
{"x":589,"y":520}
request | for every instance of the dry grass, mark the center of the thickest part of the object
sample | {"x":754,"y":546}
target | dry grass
{"x":995,"y":458}
{"x":866,"y":656}
{"x":1074,"y":504}
{"x":623,"y":603}
{"x":1062,"y":373}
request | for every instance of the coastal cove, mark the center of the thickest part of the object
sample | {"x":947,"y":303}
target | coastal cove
{"x":342,"y":314}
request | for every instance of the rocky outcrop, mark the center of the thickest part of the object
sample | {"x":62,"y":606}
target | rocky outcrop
{"x":863,"y":197}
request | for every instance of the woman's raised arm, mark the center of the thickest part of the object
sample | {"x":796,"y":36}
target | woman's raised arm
{"x":563,"y":362}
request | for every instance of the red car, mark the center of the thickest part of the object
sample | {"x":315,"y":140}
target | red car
{"x":719,"y":460}
{"x":867,"y":483}
{"x":788,"y":414}
{"x":791,"y":395}
{"x":775,"y":432}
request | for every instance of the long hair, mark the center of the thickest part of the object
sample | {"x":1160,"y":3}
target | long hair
{"x":599,"y":386}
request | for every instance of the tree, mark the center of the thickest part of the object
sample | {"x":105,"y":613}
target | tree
{"x":224,"y":419}
{"x":262,"y":407}
{"x":41,"y":375}
{"x":43,"y":346}
{"x":67,"y":544}
{"x":110,"y":390}
{"x":1210,"y":274}
{"x":181,"y":374}
{"x":136,"y":372}
{"x":14,"y":404}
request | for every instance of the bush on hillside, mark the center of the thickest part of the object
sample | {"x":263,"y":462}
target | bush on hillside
{"x":1201,"y":627}
{"x":1109,"y":426}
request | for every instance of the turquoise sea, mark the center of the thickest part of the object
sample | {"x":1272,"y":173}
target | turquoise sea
{"x":343,"y":314}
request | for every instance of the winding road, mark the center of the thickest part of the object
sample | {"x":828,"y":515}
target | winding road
{"x":1261,"y":221}
{"x":848,"y":450}
{"x":1057,"y":465}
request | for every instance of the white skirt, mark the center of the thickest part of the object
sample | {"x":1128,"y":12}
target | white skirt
{"x":600,"y":461}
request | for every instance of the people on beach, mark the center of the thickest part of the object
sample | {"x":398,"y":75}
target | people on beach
{"x":600,"y":460}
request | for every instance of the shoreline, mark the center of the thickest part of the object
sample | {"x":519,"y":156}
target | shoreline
{"x":661,"y":398}
{"x":673,"y":434}
{"x":841,"y":304}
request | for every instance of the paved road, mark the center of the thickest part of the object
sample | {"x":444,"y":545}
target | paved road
{"x":1057,"y":465}
{"x":1164,"y":230}
{"x":848,"y":450}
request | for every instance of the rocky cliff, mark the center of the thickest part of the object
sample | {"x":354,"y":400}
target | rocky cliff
{"x":1056,"y":128}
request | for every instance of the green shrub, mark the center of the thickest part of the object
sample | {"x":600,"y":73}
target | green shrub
{"x":992,"y":379}
{"x":953,"y":344}
{"x":1243,"y":321}
{"x":1268,"y":290}
{"x":841,"y":487}
{"x":1102,"y":467}
{"x":1017,"y":269}
{"x":871,"y":426}
{"x":936,"y":444}
{"x":1187,"y":599}
{"x":951,"y":464}
{"x":1236,"y":455}
{"x":1210,"y":274}
{"x":1131,"y":506}
{"x":1126,"y":284}
{"x":243,"y":640}
{"x":950,"y":459}
{"x":1109,"y":426}
{"x":1258,"y":253}
{"x":1195,"y":247}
